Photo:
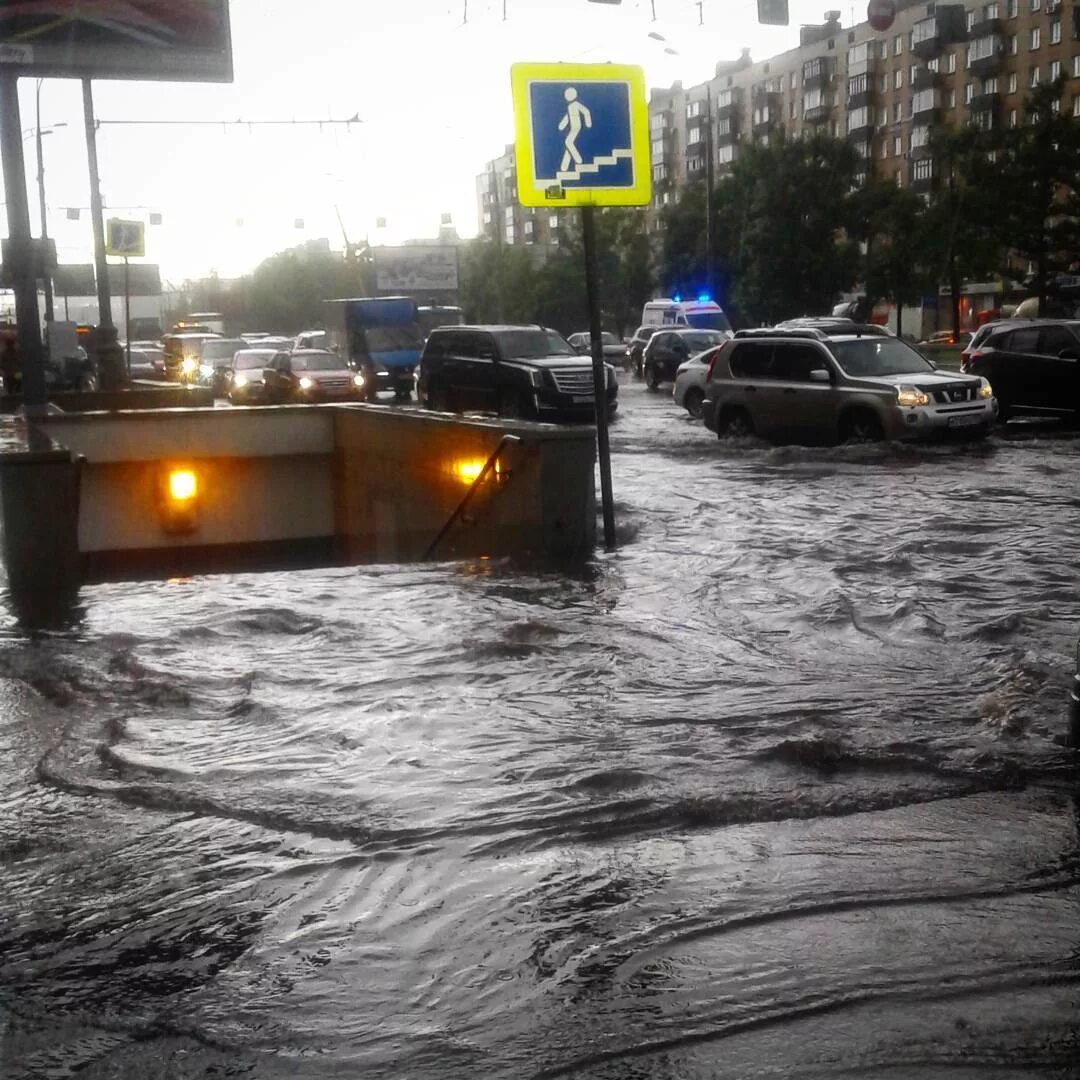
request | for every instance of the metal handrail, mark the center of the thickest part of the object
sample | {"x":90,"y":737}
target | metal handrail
{"x":481,"y":476}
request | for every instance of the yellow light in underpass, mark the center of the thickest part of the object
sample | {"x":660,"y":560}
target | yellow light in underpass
{"x":183,"y":485}
{"x":468,"y":470}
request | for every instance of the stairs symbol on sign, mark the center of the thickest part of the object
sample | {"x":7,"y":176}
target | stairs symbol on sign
{"x":594,"y":165}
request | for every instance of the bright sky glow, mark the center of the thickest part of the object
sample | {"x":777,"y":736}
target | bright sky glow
{"x":431,"y":88}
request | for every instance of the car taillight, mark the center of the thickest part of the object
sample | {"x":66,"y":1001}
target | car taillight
{"x":712,"y":363}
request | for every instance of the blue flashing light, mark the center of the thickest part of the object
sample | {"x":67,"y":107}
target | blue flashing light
{"x":704,"y":298}
{"x":678,"y":299}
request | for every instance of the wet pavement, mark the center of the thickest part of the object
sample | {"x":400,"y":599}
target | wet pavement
{"x":774,"y":790}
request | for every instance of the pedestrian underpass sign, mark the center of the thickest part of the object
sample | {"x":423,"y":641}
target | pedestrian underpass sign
{"x":582,"y":135}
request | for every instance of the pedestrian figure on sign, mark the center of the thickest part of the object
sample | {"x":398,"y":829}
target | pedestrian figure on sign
{"x":576,"y":115}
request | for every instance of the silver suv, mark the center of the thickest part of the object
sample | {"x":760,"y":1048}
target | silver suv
{"x":858,"y":383}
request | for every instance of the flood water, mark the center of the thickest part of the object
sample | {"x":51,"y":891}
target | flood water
{"x":774,"y":790}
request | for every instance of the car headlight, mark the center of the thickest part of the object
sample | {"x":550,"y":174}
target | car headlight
{"x":609,"y":374}
{"x":358,"y":380}
{"x":985,"y":389}
{"x":239,"y":379}
{"x":910,"y":395}
{"x":536,"y":377}
{"x":306,"y":383}
{"x":189,"y":365}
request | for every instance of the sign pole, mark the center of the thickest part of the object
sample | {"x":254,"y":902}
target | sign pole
{"x":127,"y":317}
{"x":603,"y":448}
{"x":20,"y":250}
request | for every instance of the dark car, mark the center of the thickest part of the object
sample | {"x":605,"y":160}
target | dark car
{"x":635,"y":347}
{"x":216,"y":361}
{"x":668,"y":348}
{"x":516,"y":371}
{"x":614,"y":349}
{"x":146,"y":363}
{"x":311,"y":375}
{"x":1034,"y":368}
{"x":246,"y":384}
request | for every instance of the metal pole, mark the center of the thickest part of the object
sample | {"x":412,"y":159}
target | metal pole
{"x":97,"y":221}
{"x":603,"y":448}
{"x":46,"y":270}
{"x":708,"y":193}
{"x":110,"y":358}
{"x":127,"y":317}
{"x":20,"y":243}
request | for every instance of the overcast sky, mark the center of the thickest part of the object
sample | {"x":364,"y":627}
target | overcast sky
{"x":432,"y":89}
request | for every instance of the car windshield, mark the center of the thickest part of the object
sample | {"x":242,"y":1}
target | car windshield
{"x":879,"y":356}
{"x":698,"y":342}
{"x":221,"y":348}
{"x":318,"y":362}
{"x":532,"y":344}
{"x":708,"y":320}
{"x":245,"y":361}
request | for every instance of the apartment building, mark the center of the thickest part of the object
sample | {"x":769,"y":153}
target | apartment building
{"x":503,"y":219}
{"x":940,"y":62}
{"x":954,"y":63}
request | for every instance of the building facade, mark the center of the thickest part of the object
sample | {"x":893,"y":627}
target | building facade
{"x":502,"y":219}
{"x":949,"y":63}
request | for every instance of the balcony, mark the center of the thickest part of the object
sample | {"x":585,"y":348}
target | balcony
{"x":818,"y":72}
{"x":818,"y":114}
{"x":925,"y":79}
{"x":764,"y":121}
{"x":862,"y":59}
{"x":920,"y":142}
{"x":727,"y":105}
{"x":766,"y":94}
{"x":727,"y":130}
{"x":922,"y":175}
{"x":861,"y":92}
{"x":982,"y":103}
{"x":925,"y":105}
{"x":986,"y":55}
{"x":860,"y":124}
{"x":947,"y":26}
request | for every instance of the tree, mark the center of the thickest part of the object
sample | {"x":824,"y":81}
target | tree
{"x":1037,"y":176}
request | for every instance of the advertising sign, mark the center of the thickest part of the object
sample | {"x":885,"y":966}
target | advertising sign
{"x":416,"y":269}
{"x":177,"y":40}
{"x":126,"y":238}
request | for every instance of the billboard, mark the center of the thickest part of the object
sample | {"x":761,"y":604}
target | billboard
{"x":179,"y":40}
{"x":416,"y":269}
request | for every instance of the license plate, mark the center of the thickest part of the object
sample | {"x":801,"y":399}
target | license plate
{"x":964,"y":421}
{"x":586,"y":399}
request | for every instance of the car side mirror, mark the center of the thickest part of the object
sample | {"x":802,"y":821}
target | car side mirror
{"x":820,"y":375}
{"x":932,"y":363}
{"x":1069,"y":354}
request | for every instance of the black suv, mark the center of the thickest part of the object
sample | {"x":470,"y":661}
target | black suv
{"x":669,"y":347}
{"x":516,"y":371}
{"x":1035,"y":367}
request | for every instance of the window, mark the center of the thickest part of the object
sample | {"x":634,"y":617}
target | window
{"x":723,"y":127}
{"x":1055,"y":32}
{"x":657,"y":122}
{"x":1013,"y":118}
{"x":814,"y":99}
{"x":1036,"y":5}
{"x":922,"y":169}
{"x":924,"y":101}
{"x":793,"y":81}
{"x":752,"y":360}
{"x":911,"y":72}
{"x":553,"y":221}
{"x":1023,"y":341}
{"x":898,"y":78}
{"x":1055,"y":106}
{"x":793,"y":109}
{"x":920,"y":137}
{"x":528,"y":230}
{"x":1055,"y":70}
{"x":898,"y":45}
{"x":487,"y":217}
{"x":990,"y":86}
{"x":897,"y":113}
{"x":793,"y":363}
{"x":883,"y":83}
{"x":885,"y":146}
{"x":508,"y":214}
{"x":858,"y":118}
{"x":898,"y":145}
{"x":1054,"y":339}
{"x":882,"y":117}
{"x":1014,"y":44}
{"x":983,"y":48}
{"x":950,"y":100}
{"x":657,"y":149}
{"x":1034,"y":77}
{"x":725,"y":98}
{"x":860,"y":84}
{"x":969,"y":92}
{"x":509,"y":234}
{"x":695,"y":164}
{"x":991,"y":11}
{"x":970,"y":16}
{"x":693,"y":136}
{"x":1036,"y":37}
{"x":1012,"y":82}
{"x":1012,"y":8}
{"x":935,"y":64}
{"x":952,"y":63}
{"x":693,"y":110}
{"x":1076,"y":67}
{"x":659,"y":173}
{"x":899,"y":178}
{"x":726,"y":154}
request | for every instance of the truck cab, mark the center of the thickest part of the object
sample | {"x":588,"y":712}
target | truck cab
{"x":380,"y":337}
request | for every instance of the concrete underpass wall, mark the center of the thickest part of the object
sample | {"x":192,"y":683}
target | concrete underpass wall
{"x":402,"y":475}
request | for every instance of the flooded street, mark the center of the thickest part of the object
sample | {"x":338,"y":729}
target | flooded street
{"x":774,"y":790}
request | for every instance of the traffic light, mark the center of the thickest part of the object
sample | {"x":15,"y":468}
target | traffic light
{"x":773,"y":12}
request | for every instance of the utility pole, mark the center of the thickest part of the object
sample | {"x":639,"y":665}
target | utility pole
{"x":21,"y":247}
{"x":709,"y":192}
{"x":47,"y":278}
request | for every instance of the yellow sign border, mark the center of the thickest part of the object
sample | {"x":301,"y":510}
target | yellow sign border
{"x":534,"y":193}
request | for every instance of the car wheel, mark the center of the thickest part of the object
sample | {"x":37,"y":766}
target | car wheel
{"x":437,"y":399}
{"x":861,"y":426}
{"x":694,"y":402}
{"x":652,"y":377}
{"x":734,"y":423}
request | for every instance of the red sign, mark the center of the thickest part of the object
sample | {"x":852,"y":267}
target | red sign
{"x":880,"y":14}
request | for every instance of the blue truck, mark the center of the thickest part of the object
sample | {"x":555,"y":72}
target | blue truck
{"x":380,"y":337}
